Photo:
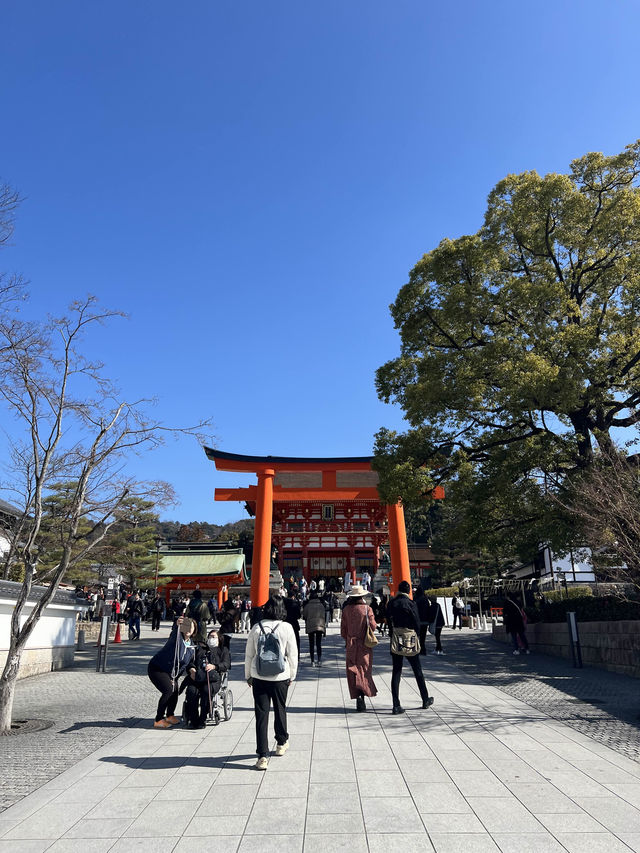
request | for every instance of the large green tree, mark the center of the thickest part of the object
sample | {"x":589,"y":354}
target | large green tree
{"x":520,"y":351}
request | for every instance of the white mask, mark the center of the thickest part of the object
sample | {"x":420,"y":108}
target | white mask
{"x":213,"y":642}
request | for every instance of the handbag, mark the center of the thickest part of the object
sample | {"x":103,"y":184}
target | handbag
{"x":370,"y":639}
{"x":405,"y":642}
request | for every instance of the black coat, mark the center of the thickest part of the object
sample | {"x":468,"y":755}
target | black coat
{"x":219,"y":657}
{"x":402,"y":612}
{"x":434,"y":614}
{"x":512,"y":617}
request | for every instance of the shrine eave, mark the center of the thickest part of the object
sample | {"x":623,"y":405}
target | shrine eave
{"x":241,"y":462}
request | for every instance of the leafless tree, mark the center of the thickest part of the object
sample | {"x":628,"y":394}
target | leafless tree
{"x":72,"y":426}
{"x":605,"y":503}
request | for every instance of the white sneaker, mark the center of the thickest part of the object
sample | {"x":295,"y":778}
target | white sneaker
{"x":516,"y":651}
{"x":281,"y":748}
{"x":262,"y":763}
{"x":319,"y":664}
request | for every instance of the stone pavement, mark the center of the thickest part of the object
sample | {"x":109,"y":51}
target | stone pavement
{"x":481,"y":769}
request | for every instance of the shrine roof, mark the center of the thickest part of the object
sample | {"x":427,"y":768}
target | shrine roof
{"x":198,"y":562}
{"x":241,"y":462}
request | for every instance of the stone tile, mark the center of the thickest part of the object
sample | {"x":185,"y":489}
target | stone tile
{"x":193,"y":787}
{"x":89,"y":790}
{"x":159,"y":844}
{"x":543,"y":799}
{"x":580,"y":823}
{"x":631,"y":839}
{"x":577,"y":783}
{"x":613,"y":813}
{"x":23,"y":846}
{"x":604,"y":772}
{"x":326,"y":798}
{"x":628,"y":792}
{"x":435,"y":797}
{"x":391,"y":783}
{"x":594,"y":842}
{"x":458,"y":759}
{"x":153,"y":777}
{"x":122,"y":803}
{"x":335,"y":844}
{"x":444,"y":824}
{"x":423,"y":771}
{"x":213,"y":827}
{"x":328,"y":749}
{"x":279,"y":817}
{"x":530,"y":842}
{"x":339,"y":770}
{"x":84,"y":845}
{"x":271,"y":844}
{"x":515,"y":770}
{"x":51,"y":821}
{"x":503,"y":814}
{"x":195,"y":844}
{"x":339,"y":823}
{"x":161,"y":818}
{"x":279,"y":785}
{"x":478,"y":783}
{"x":6,"y":825}
{"x":291,"y":760}
{"x":401,"y":842}
{"x":386,"y":815}
{"x":95,"y":828}
{"x":372,"y":759}
{"x":228,"y":800}
{"x":450,"y":843}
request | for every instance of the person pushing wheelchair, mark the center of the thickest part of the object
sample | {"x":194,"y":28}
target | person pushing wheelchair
{"x":203,"y":677}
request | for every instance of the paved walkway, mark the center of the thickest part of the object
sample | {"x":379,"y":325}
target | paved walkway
{"x":481,"y":764}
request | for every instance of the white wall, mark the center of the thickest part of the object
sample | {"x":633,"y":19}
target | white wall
{"x":56,"y":627}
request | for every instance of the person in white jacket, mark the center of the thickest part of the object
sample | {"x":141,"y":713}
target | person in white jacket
{"x":271,"y":688}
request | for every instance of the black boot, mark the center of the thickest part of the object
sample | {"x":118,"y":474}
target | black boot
{"x":397,"y":709}
{"x":428,"y":702}
{"x":361,"y":704}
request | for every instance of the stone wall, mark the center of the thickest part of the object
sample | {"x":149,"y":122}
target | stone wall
{"x":37,"y":661}
{"x":609,"y":645}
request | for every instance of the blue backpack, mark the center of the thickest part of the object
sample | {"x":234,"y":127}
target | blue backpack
{"x":270,"y":657}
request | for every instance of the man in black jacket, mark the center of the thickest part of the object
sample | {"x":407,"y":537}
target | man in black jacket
{"x":403,"y":613}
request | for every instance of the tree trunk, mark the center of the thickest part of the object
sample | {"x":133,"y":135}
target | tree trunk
{"x":8,"y":688}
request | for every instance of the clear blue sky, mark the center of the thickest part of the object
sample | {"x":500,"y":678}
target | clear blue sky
{"x":252,"y":181}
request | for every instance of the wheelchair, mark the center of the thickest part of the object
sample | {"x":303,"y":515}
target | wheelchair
{"x":222,"y":705}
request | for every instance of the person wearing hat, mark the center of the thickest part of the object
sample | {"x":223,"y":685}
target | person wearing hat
{"x":402,"y":612}
{"x":167,"y":665}
{"x":356,"y":614}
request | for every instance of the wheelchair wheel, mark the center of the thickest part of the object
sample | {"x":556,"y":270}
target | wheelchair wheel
{"x":227,"y":704}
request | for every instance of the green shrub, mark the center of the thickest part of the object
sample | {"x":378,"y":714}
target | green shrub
{"x":572,"y":591}
{"x":588,"y":608}
{"x":443,"y":592}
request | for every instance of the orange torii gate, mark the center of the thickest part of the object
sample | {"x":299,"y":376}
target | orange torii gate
{"x":318,"y":479}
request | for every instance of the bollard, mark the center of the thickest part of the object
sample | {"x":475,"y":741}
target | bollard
{"x":81,"y":636}
{"x":484,"y":622}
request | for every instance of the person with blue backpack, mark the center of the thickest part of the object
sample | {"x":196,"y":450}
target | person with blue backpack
{"x":270,"y":665}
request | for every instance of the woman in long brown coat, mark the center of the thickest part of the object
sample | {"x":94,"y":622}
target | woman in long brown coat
{"x":359,"y":657}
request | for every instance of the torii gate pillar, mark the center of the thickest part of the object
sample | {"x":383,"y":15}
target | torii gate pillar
{"x":262,"y":539}
{"x":400,"y":570}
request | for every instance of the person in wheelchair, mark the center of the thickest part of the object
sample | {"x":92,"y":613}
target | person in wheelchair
{"x":203,"y":679}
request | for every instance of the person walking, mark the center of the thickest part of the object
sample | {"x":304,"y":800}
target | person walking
{"x":167,"y":665}
{"x":356,"y":616}
{"x":315,"y":625}
{"x":435,"y":618}
{"x":157,"y":609}
{"x":271,"y":688}
{"x":293,"y":611}
{"x":457,"y":606}
{"x":514,"y":624}
{"x":402,"y":613}
{"x":135,"y":609}
{"x":245,"y":610}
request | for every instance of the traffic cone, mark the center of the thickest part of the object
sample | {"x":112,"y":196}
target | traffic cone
{"x":117,"y":638}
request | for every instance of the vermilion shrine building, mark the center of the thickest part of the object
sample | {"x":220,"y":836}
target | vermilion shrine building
{"x":324,"y":516}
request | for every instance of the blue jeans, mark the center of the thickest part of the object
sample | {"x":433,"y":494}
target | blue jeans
{"x":134,"y":626}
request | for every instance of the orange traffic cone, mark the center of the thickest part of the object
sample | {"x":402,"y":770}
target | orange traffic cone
{"x":117,"y":638}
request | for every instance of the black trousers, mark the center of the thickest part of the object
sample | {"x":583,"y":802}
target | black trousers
{"x":315,"y":637}
{"x":416,"y":666}
{"x":457,"y":614}
{"x":169,"y":691}
{"x":264,"y":693}
{"x":423,"y":639}
{"x":155,"y":621}
{"x":197,"y":701}
{"x":437,"y":638}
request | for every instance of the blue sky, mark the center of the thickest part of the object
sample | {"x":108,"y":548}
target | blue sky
{"x":251,"y":182}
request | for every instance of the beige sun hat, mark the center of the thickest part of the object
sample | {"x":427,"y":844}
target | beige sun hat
{"x":357,"y":591}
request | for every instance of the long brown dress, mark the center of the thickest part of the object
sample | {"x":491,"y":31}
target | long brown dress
{"x":359,"y":657}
